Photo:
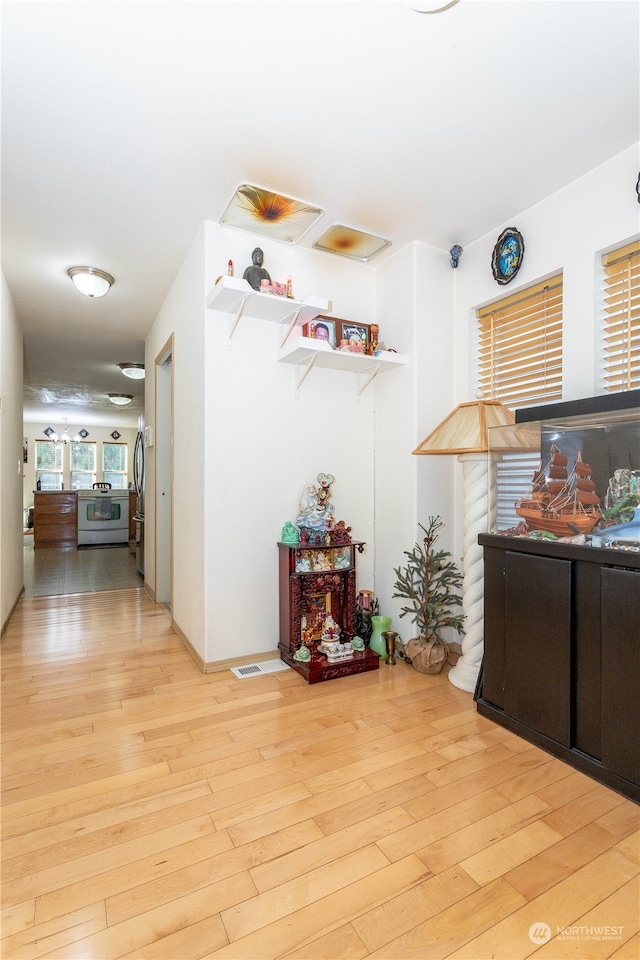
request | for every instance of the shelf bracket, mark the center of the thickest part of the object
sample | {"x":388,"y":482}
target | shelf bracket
{"x":307,"y":370}
{"x":293,"y":319}
{"x":371,"y":377}
{"x":235,"y":321}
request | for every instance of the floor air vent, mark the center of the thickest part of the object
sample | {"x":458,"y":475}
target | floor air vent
{"x":253,"y":669}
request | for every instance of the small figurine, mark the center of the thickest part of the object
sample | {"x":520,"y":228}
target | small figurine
{"x":357,"y":643}
{"x":313,"y":512}
{"x":324,"y":490}
{"x":256,"y":272}
{"x":331,"y":630}
{"x":290,"y":533}
{"x":302,"y":655}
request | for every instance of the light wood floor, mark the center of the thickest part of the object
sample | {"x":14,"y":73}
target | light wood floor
{"x":151,"y":811}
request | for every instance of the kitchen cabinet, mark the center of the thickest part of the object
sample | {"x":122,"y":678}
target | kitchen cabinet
{"x":55,"y":518}
{"x":316,"y":581}
{"x":561,"y":662}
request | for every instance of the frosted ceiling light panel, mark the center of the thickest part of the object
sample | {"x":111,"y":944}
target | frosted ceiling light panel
{"x":270,"y":214}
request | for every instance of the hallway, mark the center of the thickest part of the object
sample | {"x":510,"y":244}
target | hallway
{"x":52,"y":571}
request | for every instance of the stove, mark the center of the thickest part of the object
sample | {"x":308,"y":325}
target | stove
{"x":103,"y":516}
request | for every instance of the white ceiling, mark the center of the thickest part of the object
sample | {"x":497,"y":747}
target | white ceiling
{"x":126,"y":124}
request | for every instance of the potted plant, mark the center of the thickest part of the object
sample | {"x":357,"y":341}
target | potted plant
{"x":430,"y":581}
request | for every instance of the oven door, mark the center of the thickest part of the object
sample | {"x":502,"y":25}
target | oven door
{"x":103,"y":518}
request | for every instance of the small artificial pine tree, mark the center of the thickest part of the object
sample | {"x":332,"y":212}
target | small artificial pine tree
{"x":430,"y":582}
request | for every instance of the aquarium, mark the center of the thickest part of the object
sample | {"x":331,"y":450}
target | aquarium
{"x":569,"y":471}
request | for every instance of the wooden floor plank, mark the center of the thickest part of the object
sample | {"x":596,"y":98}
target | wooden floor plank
{"x":152,"y":811}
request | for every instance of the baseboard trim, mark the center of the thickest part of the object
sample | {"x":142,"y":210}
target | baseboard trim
{"x":12,"y":611}
{"x":219,"y":666}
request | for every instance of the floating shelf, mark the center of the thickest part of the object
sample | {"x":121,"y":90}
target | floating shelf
{"x":234,"y":297}
{"x":308,"y":353}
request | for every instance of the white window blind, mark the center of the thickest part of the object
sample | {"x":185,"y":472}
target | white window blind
{"x":621,"y":326}
{"x":520,"y":346}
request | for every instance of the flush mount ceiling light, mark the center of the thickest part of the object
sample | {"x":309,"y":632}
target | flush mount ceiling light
{"x":270,"y":214}
{"x":122,"y":399}
{"x":135,"y":371}
{"x":354,"y":244}
{"x":430,"y":6}
{"x":91,"y":281}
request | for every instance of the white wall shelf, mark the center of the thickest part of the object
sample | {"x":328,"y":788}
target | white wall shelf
{"x":306,"y":353}
{"x":234,"y":297}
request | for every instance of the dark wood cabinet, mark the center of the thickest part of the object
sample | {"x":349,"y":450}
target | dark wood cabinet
{"x":316,"y":581}
{"x":55,"y":518}
{"x":561,"y":663}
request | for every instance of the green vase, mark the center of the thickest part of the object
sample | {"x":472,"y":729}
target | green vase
{"x":377,"y":643}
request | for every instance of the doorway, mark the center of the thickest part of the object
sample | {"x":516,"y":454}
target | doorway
{"x":164,"y":475}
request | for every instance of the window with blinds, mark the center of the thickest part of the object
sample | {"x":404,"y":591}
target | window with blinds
{"x":621,"y":325}
{"x":520,"y":346}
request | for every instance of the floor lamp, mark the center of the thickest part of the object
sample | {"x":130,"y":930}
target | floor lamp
{"x":464,"y":433}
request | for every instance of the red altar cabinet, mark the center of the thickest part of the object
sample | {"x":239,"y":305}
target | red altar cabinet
{"x":318,"y":610}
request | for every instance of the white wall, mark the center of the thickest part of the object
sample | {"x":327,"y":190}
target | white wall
{"x":414,"y":297}
{"x":245,"y":443}
{"x":11,"y":536}
{"x":181,"y":317}
{"x":264,"y":443}
{"x":566,"y":232}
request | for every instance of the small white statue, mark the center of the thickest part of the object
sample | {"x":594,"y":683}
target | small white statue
{"x":331,"y":630}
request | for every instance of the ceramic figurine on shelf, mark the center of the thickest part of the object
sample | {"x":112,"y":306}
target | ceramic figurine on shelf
{"x":324,"y":490}
{"x":312,"y":512}
{"x":330,"y":630}
{"x":256,"y":273}
{"x":290,"y":533}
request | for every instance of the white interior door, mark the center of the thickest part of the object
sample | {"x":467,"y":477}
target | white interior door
{"x":164,"y":475}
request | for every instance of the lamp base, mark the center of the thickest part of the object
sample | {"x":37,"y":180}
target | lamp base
{"x":464,"y":676}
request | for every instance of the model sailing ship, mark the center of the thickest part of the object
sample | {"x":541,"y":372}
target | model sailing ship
{"x":561,"y":501}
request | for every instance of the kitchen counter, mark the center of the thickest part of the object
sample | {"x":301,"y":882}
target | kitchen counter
{"x":55,"y":518}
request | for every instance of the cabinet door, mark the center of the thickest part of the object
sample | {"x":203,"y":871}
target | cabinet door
{"x":538,"y":643}
{"x":620,"y":599}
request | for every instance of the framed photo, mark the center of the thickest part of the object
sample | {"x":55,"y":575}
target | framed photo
{"x":321,"y":328}
{"x":353,"y":333}
{"x":507,"y":255}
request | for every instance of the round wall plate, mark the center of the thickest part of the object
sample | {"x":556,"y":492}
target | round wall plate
{"x":507,"y":255}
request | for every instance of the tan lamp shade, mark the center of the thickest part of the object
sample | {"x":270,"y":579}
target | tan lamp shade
{"x":465,"y":429}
